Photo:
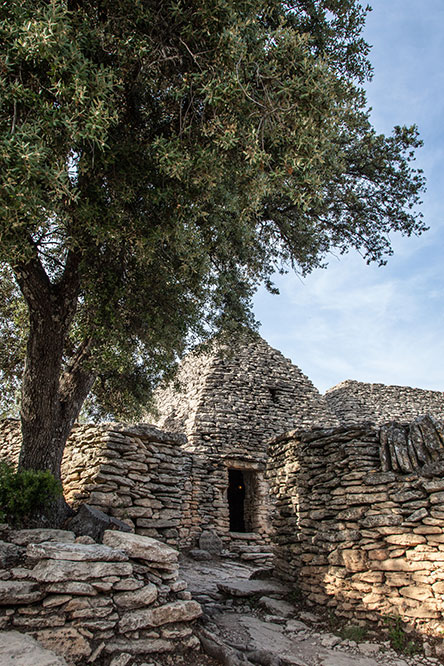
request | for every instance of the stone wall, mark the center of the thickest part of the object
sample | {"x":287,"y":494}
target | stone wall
{"x":88,"y":601}
{"x":355,"y":538}
{"x":358,"y":402}
{"x":232,"y":400}
{"x":144,"y":477}
{"x":135,"y":473}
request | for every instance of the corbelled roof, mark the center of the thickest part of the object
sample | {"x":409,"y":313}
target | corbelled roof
{"x":236,"y":397}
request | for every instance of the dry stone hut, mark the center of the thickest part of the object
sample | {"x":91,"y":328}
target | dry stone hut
{"x":233,"y":399}
{"x":229,"y":403}
{"x":246,"y":453}
{"x":202,"y":468}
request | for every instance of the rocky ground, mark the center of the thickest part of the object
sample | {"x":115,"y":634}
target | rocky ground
{"x":250,"y":619}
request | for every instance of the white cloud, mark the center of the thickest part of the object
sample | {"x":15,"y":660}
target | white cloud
{"x":353,"y":322}
{"x":382,"y":325}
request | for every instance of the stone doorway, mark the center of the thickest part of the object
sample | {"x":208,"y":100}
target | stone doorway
{"x":242,"y":500}
{"x":236,"y":500}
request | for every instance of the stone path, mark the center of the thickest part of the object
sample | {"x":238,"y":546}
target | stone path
{"x":246,"y":621}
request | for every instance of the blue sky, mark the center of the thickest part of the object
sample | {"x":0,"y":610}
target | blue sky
{"x":353,"y":321}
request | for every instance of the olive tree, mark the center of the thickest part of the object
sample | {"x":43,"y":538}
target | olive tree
{"x":158,"y":160}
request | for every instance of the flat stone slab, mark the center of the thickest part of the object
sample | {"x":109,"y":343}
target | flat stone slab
{"x":76,"y":552}
{"x":13,"y":592}
{"x":203,"y":577}
{"x":141,"y":547}
{"x":248,"y":588}
{"x":140,"y":646}
{"x":177,"y":611}
{"x":22,"y":650}
{"x":55,"y":571}
{"x":138,"y":598}
{"x":25,"y":537}
{"x":277,"y":606}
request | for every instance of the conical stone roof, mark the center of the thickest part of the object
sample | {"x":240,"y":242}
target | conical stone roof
{"x":234,"y":398}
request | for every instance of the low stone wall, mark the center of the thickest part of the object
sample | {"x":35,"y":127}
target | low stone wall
{"x":85,"y":600}
{"x":353,"y":537}
{"x":137,"y":473}
{"x":145,"y":478}
{"x":359,"y":402}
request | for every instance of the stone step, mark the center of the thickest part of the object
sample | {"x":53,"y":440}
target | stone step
{"x":245,"y":536}
{"x":248,"y":588}
{"x":249,"y":548}
{"x":268,"y":557}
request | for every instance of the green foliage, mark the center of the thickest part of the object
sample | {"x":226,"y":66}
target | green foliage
{"x":24,"y":494}
{"x":13,"y":330}
{"x":399,"y":639}
{"x":159,"y":160}
{"x":353,"y":632}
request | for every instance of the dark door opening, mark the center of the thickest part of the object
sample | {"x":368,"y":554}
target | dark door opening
{"x":236,"y":497}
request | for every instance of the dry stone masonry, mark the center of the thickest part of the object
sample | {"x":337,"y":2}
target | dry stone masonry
{"x":135,"y":473}
{"x":233,"y":400}
{"x":355,"y":535}
{"x":229,"y":402}
{"x":85,"y":600}
{"x":358,"y":402}
{"x":352,"y":512}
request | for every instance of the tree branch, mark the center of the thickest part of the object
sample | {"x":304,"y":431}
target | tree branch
{"x":78,"y":378}
{"x":33,"y":281}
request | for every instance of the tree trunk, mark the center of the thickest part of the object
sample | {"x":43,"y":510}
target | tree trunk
{"x":51,"y":401}
{"x":51,"y":398}
{"x":42,"y":430}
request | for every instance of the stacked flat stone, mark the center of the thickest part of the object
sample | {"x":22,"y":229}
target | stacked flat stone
{"x":229,"y":401}
{"x":134,"y":473}
{"x":359,"y":402}
{"x":233,"y":399}
{"x":366,"y":542}
{"x":88,"y":600}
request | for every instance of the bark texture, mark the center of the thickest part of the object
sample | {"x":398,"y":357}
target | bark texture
{"x":52,"y":395}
